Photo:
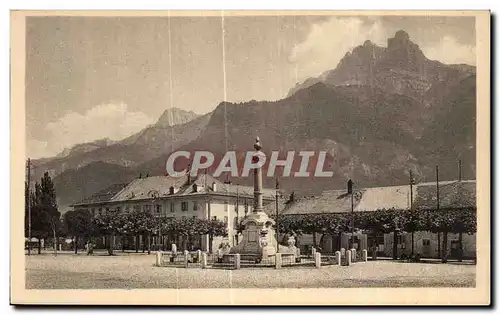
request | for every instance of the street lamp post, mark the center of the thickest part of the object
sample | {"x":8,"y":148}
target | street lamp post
{"x":350,"y":191}
{"x":29,"y":206}
{"x":412,"y":215}
{"x":236,"y":228}
{"x":156,"y":197}
{"x":277,"y":219}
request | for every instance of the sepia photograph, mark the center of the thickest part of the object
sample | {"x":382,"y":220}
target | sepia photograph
{"x":274,"y":152}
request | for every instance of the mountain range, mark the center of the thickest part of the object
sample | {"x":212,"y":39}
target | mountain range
{"x":381,"y":112}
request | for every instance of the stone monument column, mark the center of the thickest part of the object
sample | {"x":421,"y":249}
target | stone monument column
{"x":257,"y":179}
{"x":258,"y":235}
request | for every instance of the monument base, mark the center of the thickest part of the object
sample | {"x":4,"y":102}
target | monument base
{"x":258,"y":237}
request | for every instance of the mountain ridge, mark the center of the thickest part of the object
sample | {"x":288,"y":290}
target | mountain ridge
{"x":380,"y":113}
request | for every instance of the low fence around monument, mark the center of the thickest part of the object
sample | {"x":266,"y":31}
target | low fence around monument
{"x":253,"y":260}
{"x":180,"y":259}
{"x":199,"y":259}
{"x":172,"y":259}
{"x":341,"y":257}
{"x":228,"y":261}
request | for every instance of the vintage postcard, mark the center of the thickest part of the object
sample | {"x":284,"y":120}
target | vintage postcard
{"x":250,"y":157}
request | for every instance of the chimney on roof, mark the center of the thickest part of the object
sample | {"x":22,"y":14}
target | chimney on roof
{"x":214,"y":186}
{"x":188,"y":172}
{"x":227,"y":181}
{"x":140,"y":175}
{"x":349,"y":186}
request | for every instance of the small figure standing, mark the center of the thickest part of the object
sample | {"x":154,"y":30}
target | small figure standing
{"x":89,"y":248}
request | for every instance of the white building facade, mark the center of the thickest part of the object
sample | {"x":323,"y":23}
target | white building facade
{"x":203,"y":197}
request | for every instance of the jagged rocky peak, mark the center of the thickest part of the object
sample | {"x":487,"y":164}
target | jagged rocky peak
{"x":175,"y":116}
{"x":401,"y":46}
{"x":363,"y":53}
{"x":368,"y":43}
{"x":400,"y":38}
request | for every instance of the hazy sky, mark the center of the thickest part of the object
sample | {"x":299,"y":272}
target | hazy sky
{"x":93,"y":77}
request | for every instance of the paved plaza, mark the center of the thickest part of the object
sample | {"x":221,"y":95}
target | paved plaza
{"x":135,"y":271}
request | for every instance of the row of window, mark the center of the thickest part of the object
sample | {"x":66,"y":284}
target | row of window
{"x":158,"y":208}
{"x":246,"y":207}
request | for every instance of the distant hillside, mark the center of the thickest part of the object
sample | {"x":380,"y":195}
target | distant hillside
{"x":138,"y":148}
{"x":85,"y":147}
{"x":74,"y":185}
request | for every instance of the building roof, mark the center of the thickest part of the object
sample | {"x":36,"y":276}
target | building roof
{"x":146,"y":188}
{"x":283,"y":204}
{"x":159,"y":187}
{"x":104,"y":195}
{"x":452,"y":195}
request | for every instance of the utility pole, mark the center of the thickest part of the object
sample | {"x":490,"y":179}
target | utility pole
{"x":29,"y":206}
{"x":460,"y":235}
{"x":237,"y":212}
{"x":350,"y":191}
{"x":459,"y":170}
{"x":437,"y":208}
{"x":160,"y":237}
{"x":277,"y":218}
{"x":412,"y":215}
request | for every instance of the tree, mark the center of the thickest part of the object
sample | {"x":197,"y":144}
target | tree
{"x":321,"y":223}
{"x":451,"y":221}
{"x":45,"y":217}
{"x":138,"y":223}
{"x":79,"y":224}
{"x":109,"y":224}
{"x":390,"y":220}
{"x":187,"y":227}
{"x":215,"y":228}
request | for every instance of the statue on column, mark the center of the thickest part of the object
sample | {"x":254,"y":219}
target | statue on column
{"x":258,"y":234}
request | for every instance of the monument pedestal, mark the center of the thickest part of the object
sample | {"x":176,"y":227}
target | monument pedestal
{"x":258,"y":236}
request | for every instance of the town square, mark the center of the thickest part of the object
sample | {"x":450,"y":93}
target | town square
{"x":138,"y":271}
{"x":273,"y":150}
